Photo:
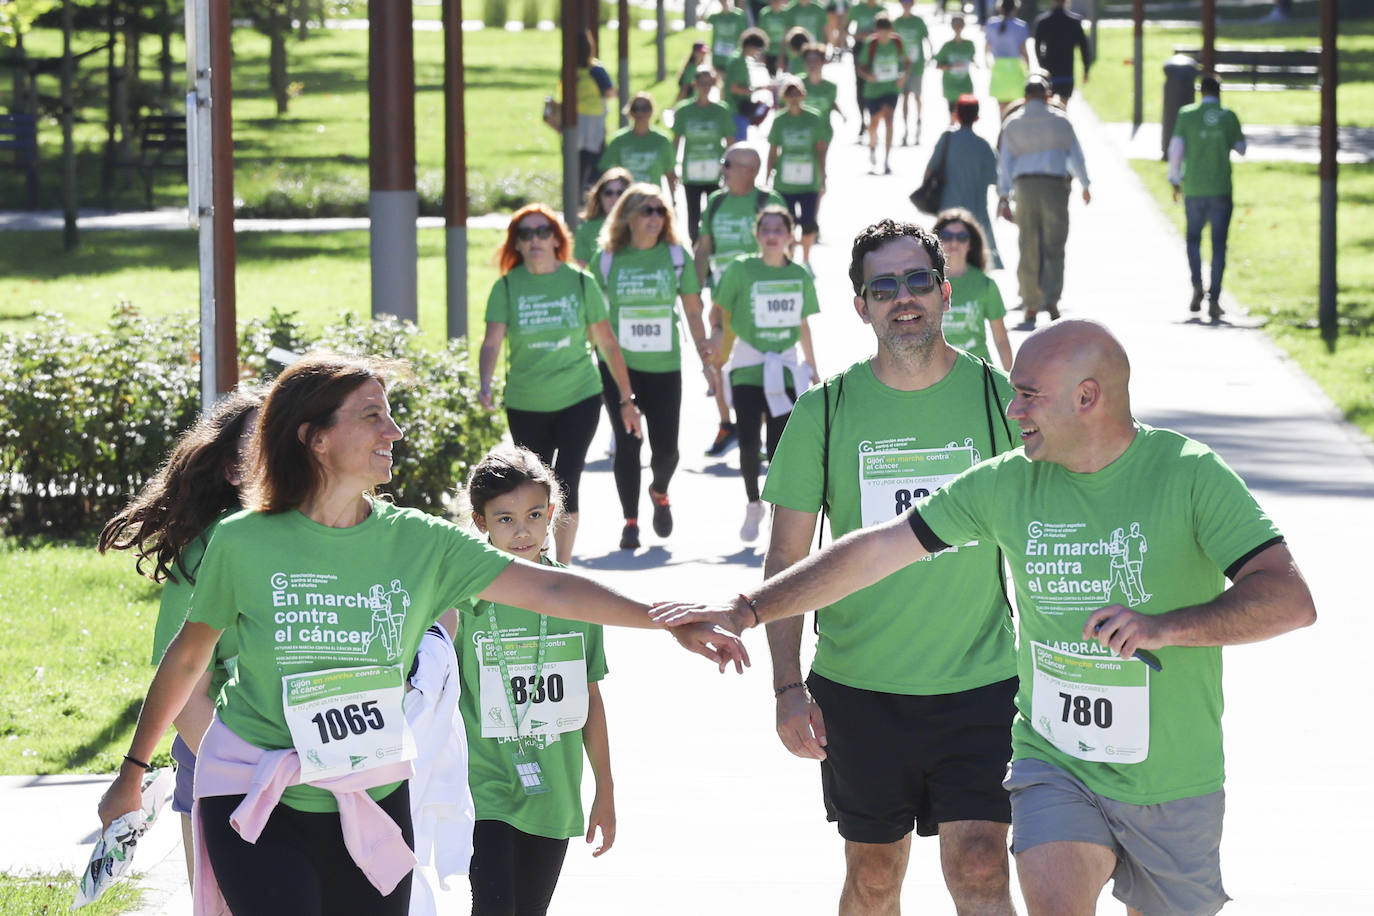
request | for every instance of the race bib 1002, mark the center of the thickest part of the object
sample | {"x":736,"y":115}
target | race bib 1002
{"x":556,"y":697}
{"x":777,"y":303}
{"x":1093,"y":707}
{"x":347,"y":719}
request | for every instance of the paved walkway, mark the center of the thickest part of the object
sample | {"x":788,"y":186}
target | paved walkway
{"x":714,"y":816}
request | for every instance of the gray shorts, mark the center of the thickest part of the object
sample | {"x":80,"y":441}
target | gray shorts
{"x":1168,"y":856}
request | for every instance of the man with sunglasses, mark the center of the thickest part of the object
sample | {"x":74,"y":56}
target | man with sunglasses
{"x":909,"y":702}
{"x":1117,"y":763}
{"x":727,"y":233}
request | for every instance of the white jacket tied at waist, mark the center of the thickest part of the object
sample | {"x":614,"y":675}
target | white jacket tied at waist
{"x":745,"y":355}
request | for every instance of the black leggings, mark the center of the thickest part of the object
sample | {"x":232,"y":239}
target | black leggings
{"x":560,"y":438}
{"x":659,"y":396}
{"x":696,"y":196}
{"x":750,"y":410}
{"x":513,"y":873}
{"x":299,"y":866}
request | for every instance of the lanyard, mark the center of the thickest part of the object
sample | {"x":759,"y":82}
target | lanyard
{"x":499,"y":645}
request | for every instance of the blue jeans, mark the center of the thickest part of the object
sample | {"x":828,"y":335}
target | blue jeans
{"x":1198,"y":211}
{"x":741,"y":126}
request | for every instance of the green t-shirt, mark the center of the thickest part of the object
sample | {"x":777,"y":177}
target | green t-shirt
{"x":973,"y":299}
{"x":647,"y":156}
{"x":939,"y":626}
{"x":584,"y":239}
{"x":820,"y":97}
{"x":861,"y":16}
{"x":729,"y":220}
{"x":886,"y":62}
{"x":1154,"y":530}
{"x":548,"y":355}
{"x":913,"y":33}
{"x":642,"y":292}
{"x":726,"y":28}
{"x":796,"y":137}
{"x":810,"y":16}
{"x":775,"y":23}
{"x":736,"y":73}
{"x":958,"y":55}
{"x":177,"y":590}
{"x":767,"y":306}
{"x":1208,"y":132}
{"x":307,"y":597}
{"x":496,"y":789}
{"x":707,"y":130}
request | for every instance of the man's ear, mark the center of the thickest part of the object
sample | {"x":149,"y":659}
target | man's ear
{"x":861,"y":307}
{"x":1088,"y":395}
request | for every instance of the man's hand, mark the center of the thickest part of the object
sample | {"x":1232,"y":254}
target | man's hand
{"x":713,"y":642}
{"x":1178,"y":192}
{"x":800,"y":724}
{"x":1004,"y":210}
{"x":484,"y":398}
{"x":726,"y":616}
{"x":1123,"y":630}
{"x":1087,"y":196}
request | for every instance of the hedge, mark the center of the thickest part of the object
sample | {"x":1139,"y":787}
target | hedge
{"x":85,"y":419}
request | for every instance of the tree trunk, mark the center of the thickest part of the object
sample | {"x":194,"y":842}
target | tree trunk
{"x":165,"y":55}
{"x":70,"y":238}
{"x":302,"y":15}
{"x":276,"y":31}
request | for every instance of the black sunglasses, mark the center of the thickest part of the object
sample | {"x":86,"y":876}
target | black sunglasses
{"x":653,"y":210}
{"x":539,"y":232}
{"x":611,"y":190}
{"x":919,"y":282}
{"x":948,"y":236}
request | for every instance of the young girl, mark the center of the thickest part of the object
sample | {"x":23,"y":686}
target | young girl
{"x":764,"y":301}
{"x":531,"y":704}
{"x":168,"y":524}
{"x":974,"y":297}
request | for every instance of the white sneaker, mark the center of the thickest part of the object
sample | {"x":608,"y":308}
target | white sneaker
{"x":753,"y":517}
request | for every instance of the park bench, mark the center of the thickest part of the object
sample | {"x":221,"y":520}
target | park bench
{"x":161,"y":145}
{"x":1243,"y":67}
{"x":19,"y":136}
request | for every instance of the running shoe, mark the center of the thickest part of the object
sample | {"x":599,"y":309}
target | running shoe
{"x":663,"y":513}
{"x":1195,"y":304}
{"x":1214,"y":311}
{"x":753,"y":518}
{"x":629,"y":536}
{"x":726,"y":438}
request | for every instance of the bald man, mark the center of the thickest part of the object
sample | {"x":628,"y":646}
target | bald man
{"x":1116,"y":766}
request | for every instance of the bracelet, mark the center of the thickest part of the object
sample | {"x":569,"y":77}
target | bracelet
{"x":138,"y":763}
{"x":753,"y":604}
{"x":779,"y":691}
{"x":626,"y":401}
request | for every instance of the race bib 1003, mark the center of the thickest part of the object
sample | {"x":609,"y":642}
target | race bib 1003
{"x":347,"y":719}
{"x":556,"y":698}
{"x":1093,"y":707}
{"x":646,"y":328}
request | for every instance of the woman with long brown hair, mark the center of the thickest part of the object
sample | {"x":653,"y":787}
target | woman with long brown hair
{"x":550,"y":315}
{"x":302,"y":801}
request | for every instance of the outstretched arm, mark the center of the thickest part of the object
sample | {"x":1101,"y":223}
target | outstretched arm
{"x":1269,"y":598}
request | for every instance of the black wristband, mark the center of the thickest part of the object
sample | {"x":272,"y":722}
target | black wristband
{"x":753,"y":604}
{"x":138,"y":763}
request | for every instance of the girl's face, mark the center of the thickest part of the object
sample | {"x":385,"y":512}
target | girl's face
{"x":517,"y":522}
{"x":773,"y":234}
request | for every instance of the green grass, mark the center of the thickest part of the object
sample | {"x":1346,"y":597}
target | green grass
{"x":1110,"y":89}
{"x":1272,"y":268}
{"x":75,"y":669}
{"x":313,"y":160}
{"x":49,"y":895}
{"x":318,"y":275}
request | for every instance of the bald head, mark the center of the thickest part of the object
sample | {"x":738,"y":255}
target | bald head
{"x":742,"y":167}
{"x":1073,"y":400}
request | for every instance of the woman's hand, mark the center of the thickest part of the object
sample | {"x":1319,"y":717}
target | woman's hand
{"x":602,"y":814}
{"x":125,"y":794}
{"x":712,"y":641}
{"x":630,"y":416}
{"x":484,"y":397}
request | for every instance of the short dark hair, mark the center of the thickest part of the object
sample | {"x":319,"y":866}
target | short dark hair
{"x":882,"y":21}
{"x":1210,"y":84}
{"x":882,"y":232}
{"x":966,"y":108}
{"x":308,"y":393}
{"x":753,"y":38}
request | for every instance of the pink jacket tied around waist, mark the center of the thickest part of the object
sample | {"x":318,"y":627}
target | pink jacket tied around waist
{"x":228,"y":765}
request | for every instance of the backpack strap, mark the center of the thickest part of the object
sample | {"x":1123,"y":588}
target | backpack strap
{"x":825,"y":473}
{"x":760,"y":200}
{"x":712,"y":205}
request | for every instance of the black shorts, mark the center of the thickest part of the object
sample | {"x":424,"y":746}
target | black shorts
{"x":877,"y":104}
{"x":894,"y":760}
